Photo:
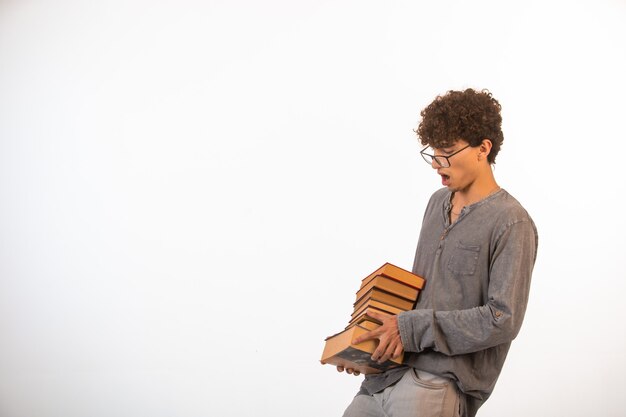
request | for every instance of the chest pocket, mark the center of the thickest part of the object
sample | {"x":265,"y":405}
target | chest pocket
{"x":464,"y":259}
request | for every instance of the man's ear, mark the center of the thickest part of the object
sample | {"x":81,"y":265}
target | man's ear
{"x":484,"y":149}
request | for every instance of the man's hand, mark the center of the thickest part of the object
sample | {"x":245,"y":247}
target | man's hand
{"x":348,"y":370}
{"x":388,"y":335}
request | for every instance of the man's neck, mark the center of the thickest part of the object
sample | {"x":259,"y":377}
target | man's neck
{"x":478,"y":190}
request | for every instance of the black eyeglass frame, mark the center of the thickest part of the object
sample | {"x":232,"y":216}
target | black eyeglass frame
{"x":438,"y":158}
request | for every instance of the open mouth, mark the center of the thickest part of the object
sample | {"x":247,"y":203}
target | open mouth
{"x":445,"y":179}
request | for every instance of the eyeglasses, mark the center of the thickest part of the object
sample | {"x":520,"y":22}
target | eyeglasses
{"x":442,"y":161}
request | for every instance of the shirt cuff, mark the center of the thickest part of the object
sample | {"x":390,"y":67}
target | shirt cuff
{"x":416,"y":330}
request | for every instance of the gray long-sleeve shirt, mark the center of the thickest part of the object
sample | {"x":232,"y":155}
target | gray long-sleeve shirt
{"x":478,"y":271}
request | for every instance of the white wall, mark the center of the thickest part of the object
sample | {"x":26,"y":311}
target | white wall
{"x":190,"y":193}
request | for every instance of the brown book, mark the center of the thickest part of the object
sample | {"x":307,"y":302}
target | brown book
{"x":365,"y":312}
{"x":378,"y":305}
{"x":365,"y":320}
{"x":368,"y":324}
{"x":396,"y":273}
{"x":340,"y":351}
{"x":389,"y":285}
{"x":384,"y":297}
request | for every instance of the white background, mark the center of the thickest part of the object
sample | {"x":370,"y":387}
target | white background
{"x":190,"y":193}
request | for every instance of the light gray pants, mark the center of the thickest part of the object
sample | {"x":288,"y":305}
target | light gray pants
{"x":417,"y":394}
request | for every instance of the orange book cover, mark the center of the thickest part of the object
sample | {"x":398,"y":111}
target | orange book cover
{"x":368,"y":324}
{"x":396,"y":273}
{"x":388,"y":285}
{"x":378,"y":305}
{"x":366,"y":312}
{"x":365,"y":320}
{"x":384,"y":297}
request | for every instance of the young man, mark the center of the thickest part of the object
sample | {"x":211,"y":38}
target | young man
{"x":476,"y":250}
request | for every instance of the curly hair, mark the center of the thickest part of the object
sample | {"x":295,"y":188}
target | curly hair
{"x":469,"y":115}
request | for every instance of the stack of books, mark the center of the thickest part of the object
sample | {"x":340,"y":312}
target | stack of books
{"x":387,"y":291}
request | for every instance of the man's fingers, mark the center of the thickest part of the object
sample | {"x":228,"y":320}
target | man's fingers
{"x":348,"y":370}
{"x":377,"y":316}
{"x":373,"y":334}
{"x":386,"y":351}
{"x":384,"y":357}
{"x":398,"y":351}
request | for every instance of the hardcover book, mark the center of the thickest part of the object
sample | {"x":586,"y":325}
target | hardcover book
{"x":389,"y":285}
{"x":340,"y":351}
{"x":396,"y":273}
{"x":384,"y":297}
